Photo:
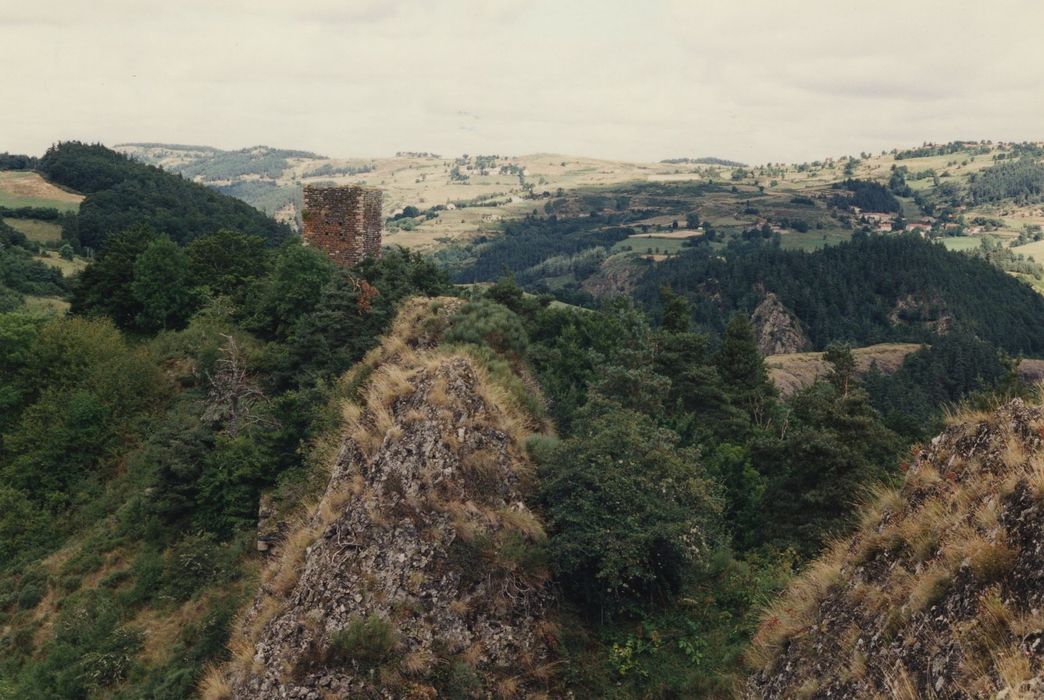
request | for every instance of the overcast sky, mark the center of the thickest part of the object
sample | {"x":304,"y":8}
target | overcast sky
{"x":765,"y":80}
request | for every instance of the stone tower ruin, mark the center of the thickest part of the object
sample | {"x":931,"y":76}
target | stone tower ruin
{"x":343,"y":221}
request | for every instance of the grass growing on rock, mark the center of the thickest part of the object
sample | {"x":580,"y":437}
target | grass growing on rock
{"x":428,"y":458}
{"x":940,"y":584}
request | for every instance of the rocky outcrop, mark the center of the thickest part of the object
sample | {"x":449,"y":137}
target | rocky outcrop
{"x":420,"y":573}
{"x":777,"y":330}
{"x":929,"y":314}
{"x":940,"y":593}
{"x":618,"y":276}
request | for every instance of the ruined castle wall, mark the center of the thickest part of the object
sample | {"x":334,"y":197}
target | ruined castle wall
{"x":344,"y":222}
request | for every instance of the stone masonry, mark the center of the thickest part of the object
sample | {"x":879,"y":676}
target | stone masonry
{"x":343,"y":221}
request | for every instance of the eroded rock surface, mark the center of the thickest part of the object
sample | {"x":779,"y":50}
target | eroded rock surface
{"x":424,"y":533}
{"x":777,"y":330}
{"x":940,"y":593}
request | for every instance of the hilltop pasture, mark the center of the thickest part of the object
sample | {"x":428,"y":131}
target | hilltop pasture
{"x":20,"y":188}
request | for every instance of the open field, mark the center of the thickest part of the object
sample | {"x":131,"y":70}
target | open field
{"x":35,"y":230}
{"x":68,"y":267}
{"x":960,"y":243}
{"x":47,"y":305}
{"x":484,"y":191}
{"x":813,"y":239}
{"x":801,"y":369}
{"x":648,"y":243}
{"x":1035,"y":249}
{"x":20,"y":188}
{"x":798,"y":370}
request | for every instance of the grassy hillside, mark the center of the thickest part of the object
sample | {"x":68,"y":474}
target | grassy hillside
{"x":22,"y":188}
{"x":487,"y":189}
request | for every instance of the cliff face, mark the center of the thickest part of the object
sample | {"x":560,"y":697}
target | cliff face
{"x":777,"y":330}
{"x":940,"y":593}
{"x":419,"y":573}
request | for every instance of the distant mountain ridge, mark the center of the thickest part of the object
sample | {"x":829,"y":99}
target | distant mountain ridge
{"x":706,"y":160}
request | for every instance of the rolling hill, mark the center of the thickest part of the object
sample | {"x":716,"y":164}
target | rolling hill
{"x":121,"y":193}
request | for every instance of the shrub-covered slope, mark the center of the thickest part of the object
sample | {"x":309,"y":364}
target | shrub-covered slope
{"x":939,"y":593}
{"x":421,"y":571}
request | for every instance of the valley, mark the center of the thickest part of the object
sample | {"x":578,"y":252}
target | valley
{"x":505,"y":457}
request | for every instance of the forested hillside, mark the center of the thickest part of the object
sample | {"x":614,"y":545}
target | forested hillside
{"x":122,"y":193}
{"x":871,"y":290}
{"x":131,"y":466}
{"x":1022,"y":180}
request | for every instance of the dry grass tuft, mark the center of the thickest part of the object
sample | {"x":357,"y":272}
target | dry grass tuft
{"x":794,"y":612}
{"x":923,"y":478}
{"x":1013,"y":668}
{"x":524,"y":523}
{"x":990,"y":561}
{"x":214,"y":685}
{"x":1036,"y":477}
{"x":414,"y":415}
{"x":929,"y":588}
{"x":438,"y":392}
{"x":417,"y":663}
{"x":508,"y":688}
{"x":857,"y":665}
{"x":899,"y":685}
{"x":389,"y":384}
{"x":473,"y":654}
{"x":242,"y":650}
{"x":292,"y":557}
{"x":481,"y":466}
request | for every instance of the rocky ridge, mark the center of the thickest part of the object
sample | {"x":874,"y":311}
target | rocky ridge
{"x":940,"y":593}
{"x":420,"y":572}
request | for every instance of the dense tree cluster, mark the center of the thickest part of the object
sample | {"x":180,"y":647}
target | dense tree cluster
{"x":677,"y":475}
{"x":122,"y":193}
{"x":867,"y":195}
{"x":954,"y":366}
{"x":530,"y":241}
{"x":933,"y":149}
{"x":1021,"y":180}
{"x":13,"y":161}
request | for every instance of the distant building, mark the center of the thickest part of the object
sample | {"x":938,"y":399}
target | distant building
{"x":344,"y":222}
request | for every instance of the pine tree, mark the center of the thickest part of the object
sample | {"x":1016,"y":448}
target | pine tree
{"x":743,"y":370}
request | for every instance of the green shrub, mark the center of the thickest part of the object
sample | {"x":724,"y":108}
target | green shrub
{"x":368,"y":641}
{"x":486,"y":322}
{"x":84,"y":562}
{"x":31,"y":594}
{"x":458,"y":680}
